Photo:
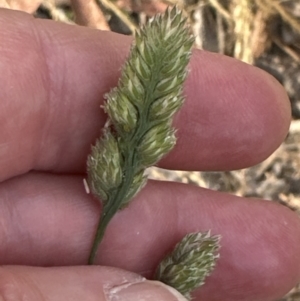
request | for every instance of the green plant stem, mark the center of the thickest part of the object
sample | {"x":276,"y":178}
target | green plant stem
{"x":104,"y":220}
{"x":113,"y":206}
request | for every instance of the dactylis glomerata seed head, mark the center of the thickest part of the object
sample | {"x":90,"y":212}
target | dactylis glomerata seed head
{"x":140,"y":110}
{"x":192,"y":260}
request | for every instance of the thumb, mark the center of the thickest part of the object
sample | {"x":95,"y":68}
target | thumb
{"x":92,"y":283}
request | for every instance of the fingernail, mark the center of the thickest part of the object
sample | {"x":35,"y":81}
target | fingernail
{"x":143,"y":291}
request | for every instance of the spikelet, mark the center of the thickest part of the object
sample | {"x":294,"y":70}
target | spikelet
{"x":191,"y":261}
{"x":140,"y":109}
{"x":104,"y":166}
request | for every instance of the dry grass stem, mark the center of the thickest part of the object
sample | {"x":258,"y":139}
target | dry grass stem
{"x":198,"y":27}
{"x":285,"y":15}
{"x":261,"y":41}
{"x":221,"y":10}
{"x":221,"y":33}
{"x":56,"y":14}
{"x":149,"y":7}
{"x":288,"y":50}
{"x":118,"y":12}
{"x":88,"y":13}
{"x":295,"y":127}
{"x":242,"y":13}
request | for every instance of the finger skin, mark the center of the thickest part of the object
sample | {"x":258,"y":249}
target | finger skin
{"x":80,"y":283}
{"x":49,"y":220}
{"x":54,"y":77}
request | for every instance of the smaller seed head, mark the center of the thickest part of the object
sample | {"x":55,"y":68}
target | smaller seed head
{"x":191,"y":261}
{"x":104,"y":165}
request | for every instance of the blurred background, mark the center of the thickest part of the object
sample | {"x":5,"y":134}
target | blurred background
{"x":265,"y":33}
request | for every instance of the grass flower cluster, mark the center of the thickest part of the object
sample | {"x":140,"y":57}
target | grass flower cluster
{"x":139,"y":132}
{"x":192,"y":260}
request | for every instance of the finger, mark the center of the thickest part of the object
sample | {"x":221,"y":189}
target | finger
{"x":49,"y":220}
{"x":54,"y":78}
{"x":80,"y":283}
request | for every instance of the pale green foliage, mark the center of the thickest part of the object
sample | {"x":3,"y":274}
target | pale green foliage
{"x":191,"y":261}
{"x":140,"y":109}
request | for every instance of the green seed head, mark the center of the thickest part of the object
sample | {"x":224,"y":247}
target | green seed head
{"x":104,"y":166}
{"x":192,"y":260}
{"x":140,"y":110}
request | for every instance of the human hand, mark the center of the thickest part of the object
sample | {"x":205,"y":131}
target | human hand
{"x":53,"y":79}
